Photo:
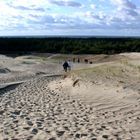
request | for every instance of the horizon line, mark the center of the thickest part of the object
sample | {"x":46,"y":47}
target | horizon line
{"x":67,"y":36}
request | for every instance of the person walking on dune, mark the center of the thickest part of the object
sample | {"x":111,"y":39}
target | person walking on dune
{"x":65,"y":66}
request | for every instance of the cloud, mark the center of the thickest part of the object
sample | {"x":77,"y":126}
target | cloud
{"x":126,"y":11}
{"x":27,"y":8}
{"x":41,"y":20}
{"x":124,"y":4}
{"x":125,"y":7}
{"x":66,"y":3}
{"x":37,"y":5}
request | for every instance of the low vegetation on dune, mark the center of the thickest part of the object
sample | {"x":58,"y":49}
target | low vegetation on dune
{"x":118,"y":71}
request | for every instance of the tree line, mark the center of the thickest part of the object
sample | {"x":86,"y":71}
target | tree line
{"x":69,"y":45}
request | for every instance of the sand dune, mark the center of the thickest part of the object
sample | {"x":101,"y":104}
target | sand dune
{"x":38,"y":101}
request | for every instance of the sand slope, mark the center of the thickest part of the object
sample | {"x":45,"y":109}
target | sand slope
{"x":93,"y":102}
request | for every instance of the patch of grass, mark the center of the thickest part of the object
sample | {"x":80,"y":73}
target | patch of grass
{"x":28,"y":62}
{"x":32,"y":57}
{"x":104,"y":70}
{"x":62,"y":57}
{"x":138,"y":68}
{"x":129,"y":64}
{"x":38,"y":58}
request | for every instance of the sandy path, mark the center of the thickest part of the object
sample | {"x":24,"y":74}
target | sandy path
{"x":31,"y":110}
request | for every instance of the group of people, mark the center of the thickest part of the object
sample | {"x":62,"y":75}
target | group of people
{"x":67,"y":66}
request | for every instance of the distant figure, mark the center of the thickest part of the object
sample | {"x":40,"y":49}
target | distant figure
{"x":65,"y":66}
{"x":78,"y":60}
{"x":86,"y":61}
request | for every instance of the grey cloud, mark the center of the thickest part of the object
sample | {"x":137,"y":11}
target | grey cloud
{"x":66,"y":3}
{"x":65,"y":22}
{"x":17,"y":17}
{"x":34,"y":16}
{"x":48,"y":19}
{"x":118,"y":23}
{"x":102,"y":23}
{"x":124,"y":4}
{"x":27,"y":8}
{"x":129,"y":4}
{"x":131,"y":13}
{"x":109,"y":21}
{"x":126,"y":11}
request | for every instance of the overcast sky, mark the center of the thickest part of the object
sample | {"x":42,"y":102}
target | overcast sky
{"x":70,"y":17}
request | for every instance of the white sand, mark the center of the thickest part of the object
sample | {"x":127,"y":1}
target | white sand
{"x":95,"y":106}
